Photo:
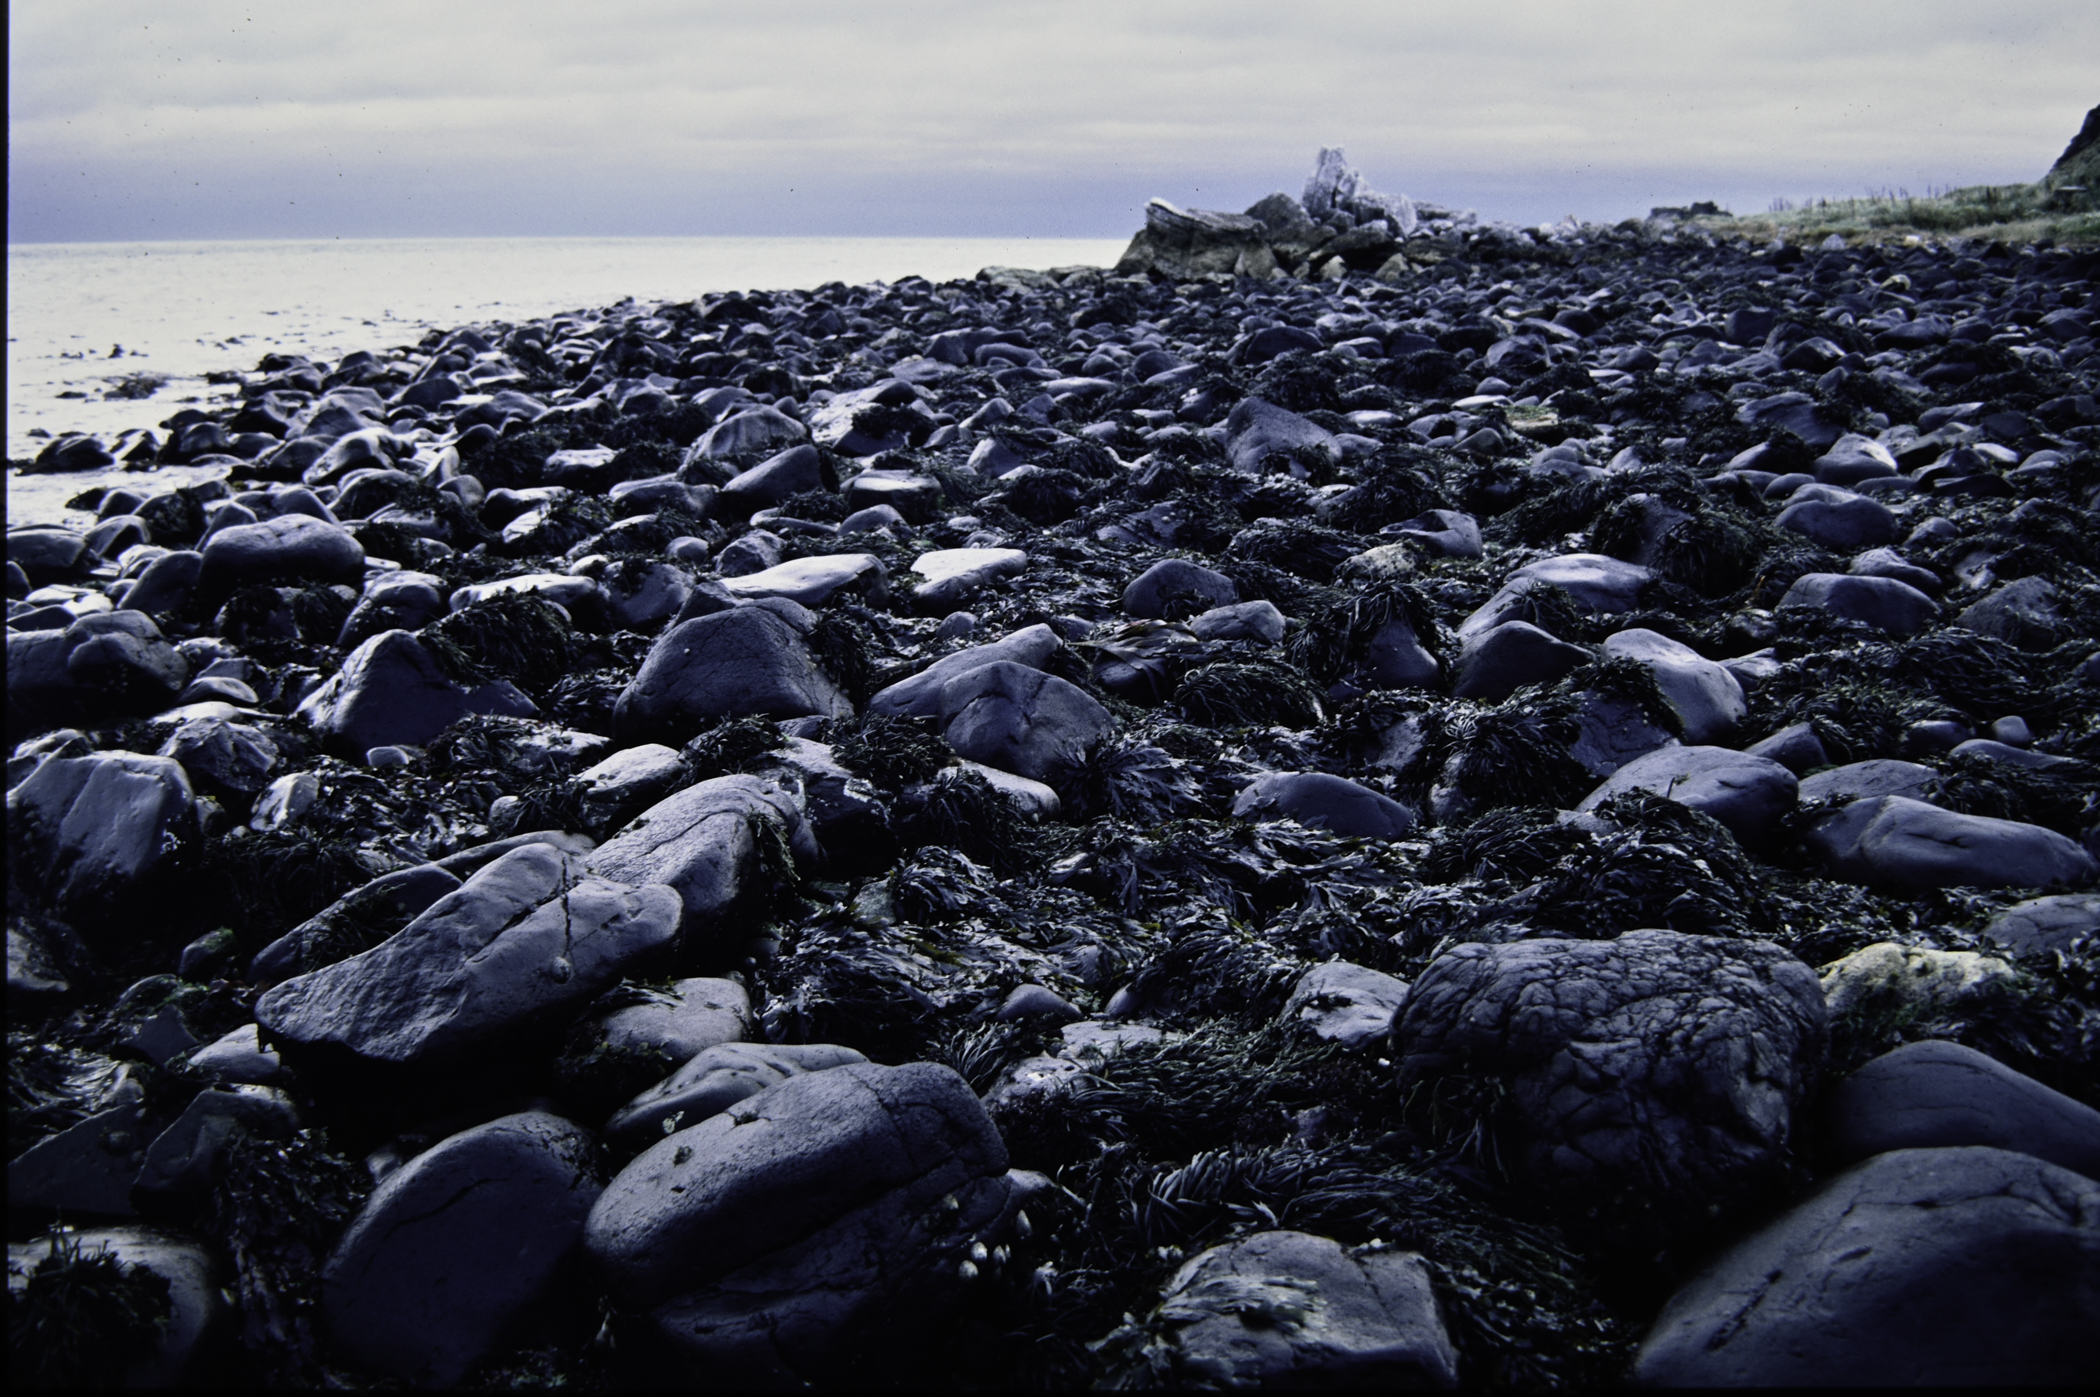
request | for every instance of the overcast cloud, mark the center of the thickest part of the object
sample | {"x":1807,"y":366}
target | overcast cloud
{"x":202,"y":119}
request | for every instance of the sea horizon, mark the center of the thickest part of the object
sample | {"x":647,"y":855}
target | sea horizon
{"x":88,"y":322}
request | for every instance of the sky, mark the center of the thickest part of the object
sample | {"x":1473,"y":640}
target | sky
{"x":1051,"y":118}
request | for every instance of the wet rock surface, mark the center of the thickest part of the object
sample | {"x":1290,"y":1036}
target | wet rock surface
{"x":1501,"y":756}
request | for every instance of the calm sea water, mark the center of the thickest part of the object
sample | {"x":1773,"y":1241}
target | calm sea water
{"x":84,"y":317}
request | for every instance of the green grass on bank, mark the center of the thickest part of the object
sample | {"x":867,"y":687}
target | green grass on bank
{"x":2063,"y":206}
{"x":2014,"y":214}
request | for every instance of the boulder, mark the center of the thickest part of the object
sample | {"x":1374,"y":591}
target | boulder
{"x":1396,"y":658}
{"x":794,"y":471}
{"x":385,"y":904}
{"x":1878,"y":776}
{"x":1932,"y":1095}
{"x":1882,"y":602}
{"x":1174,"y":588}
{"x":188,"y":1159}
{"x":1968,"y":1266}
{"x":1447,"y":533}
{"x":1748,"y":794}
{"x":1899,"y":843}
{"x":222,"y":756}
{"x":1256,"y":430}
{"x":813,"y":581}
{"x":85,"y":1170}
{"x":92,"y":826}
{"x":1843,"y":524}
{"x":1705,"y":697}
{"x":750,"y":660}
{"x":1596,"y":582}
{"x":954,"y":575}
{"x":2043,"y":924}
{"x":47,"y":553}
{"x":710,"y":844}
{"x":1651,"y":1078}
{"x":690,"y":1017}
{"x":195,"y":1299}
{"x":714,"y":1079}
{"x":1290,"y":1310}
{"x":777,"y":1241}
{"x":120,"y":663}
{"x":1258,"y":621}
{"x":458,"y":1243}
{"x":288,"y":548}
{"x":1329,"y":802}
{"x":1496,"y":662}
{"x":1910,"y":981}
{"x":1022,"y":720}
{"x":166,"y":584}
{"x":920,"y":695}
{"x":580,"y":597}
{"x":393,"y":601}
{"x":1346,"y":1003}
{"x":1193,"y":242}
{"x":645,"y":773}
{"x":531,"y":938}
{"x":748,"y":432}
{"x":642,"y":595}
{"x":2022,"y":611}
{"x":390,"y":691}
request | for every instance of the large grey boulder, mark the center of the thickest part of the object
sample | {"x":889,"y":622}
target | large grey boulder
{"x":1331,"y":802}
{"x":686,"y":1019}
{"x":1021,"y":720}
{"x":1748,"y":794}
{"x":1256,"y":430}
{"x":1290,"y":1310}
{"x":709,"y":844}
{"x":1877,"y":776}
{"x":920,"y":695}
{"x":528,"y":939}
{"x":1968,"y":1267}
{"x":954,"y":575}
{"x":391,"y":691}
{"x":1843,"y":523}
{"x":748,"y":432}
{"x":290,"y":547}
{"x":88,"y":828}
{"x":1899,"y":843}
{"x":1882,"y":602}
{"x":1175,"y":588}
{"x":794,"y":471}
{"x":120,"y":663}
{"x":772,"y":1240}
{"x":222,"y":755}
{"x":1651,"y":1078}
{"x":1705,"y":697}
{"x":714,"y":1079}
{"x":393,"y":601}
{"x":1195,"y":242}
{"x":1496,"y":662}
{"x":813,"y":581}
{"x":1345,"y":1003}
{"x":1935,"y":1094}
{"x":186,"y":1160}
{"x":750,"y":660}
{"x":455,"y":1244}
{"x":389,"y":902}
{"x":2042,"y":924}
{"x":2022,"y":611}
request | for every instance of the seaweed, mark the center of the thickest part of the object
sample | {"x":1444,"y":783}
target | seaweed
{"x":1251,"y":692}
{"x":1335,"y":637}
{"x":1130,"y":780}
{"x":81,"y":1319}
{"x":959,"y":809}
{"x":893,"y":752}
{"x":732,"y":747}
{"x":513,"y":635}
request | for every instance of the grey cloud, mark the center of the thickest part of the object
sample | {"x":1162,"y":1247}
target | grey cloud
{"x":951,"y":117}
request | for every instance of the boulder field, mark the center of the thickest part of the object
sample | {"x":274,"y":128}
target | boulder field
{"x":1365,"y":797}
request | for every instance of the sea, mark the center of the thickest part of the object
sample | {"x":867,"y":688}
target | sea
{"x":106,"y":337}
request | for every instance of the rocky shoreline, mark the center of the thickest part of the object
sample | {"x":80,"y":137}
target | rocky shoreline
{"x":1362,"y":798}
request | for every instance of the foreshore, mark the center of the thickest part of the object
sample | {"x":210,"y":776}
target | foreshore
{"x":1363,"y":797}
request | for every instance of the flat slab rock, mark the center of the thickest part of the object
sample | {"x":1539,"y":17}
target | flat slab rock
{"x":528,"y":937}
{"x":1971,"y":1267}
{"x":1285,"y":1309}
